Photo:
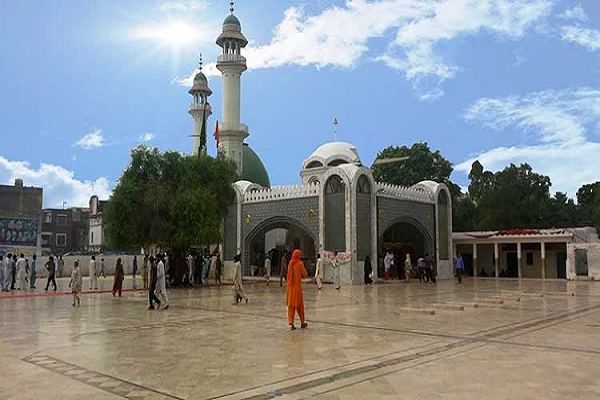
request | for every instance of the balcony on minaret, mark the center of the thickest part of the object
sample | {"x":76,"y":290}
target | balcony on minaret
{"x":231,"y":58}
{"x":226,"y":127}
{"x":198,"y":106}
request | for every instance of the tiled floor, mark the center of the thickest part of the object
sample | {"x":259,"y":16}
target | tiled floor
{"x":484,"y":339}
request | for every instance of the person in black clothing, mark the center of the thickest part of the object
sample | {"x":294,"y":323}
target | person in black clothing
{"x":368,"y":271}
{"x":51,"y":271}
{"x":153,"y":280}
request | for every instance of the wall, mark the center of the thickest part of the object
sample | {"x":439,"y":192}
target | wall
{"x":593,"y":258}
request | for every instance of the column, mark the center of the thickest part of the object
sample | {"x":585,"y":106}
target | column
{"x":543,"y":248}
{"x":475,"y":260}
{"x":496,"y":260}
{"x":519,"y":254}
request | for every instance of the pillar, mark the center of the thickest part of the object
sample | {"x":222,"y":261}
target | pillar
{"x":519,"y":255}
{"x":543,"y":248}
{"x":475,"y":260}
{"x":496,"y":260}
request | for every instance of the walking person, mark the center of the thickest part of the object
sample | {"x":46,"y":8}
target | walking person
{"x":283,"y":264}
{"x":119,"y":277}
{"x":51,"y":273}
{"x":238,"y":290}
{"x":161,"y":281}
{"x":7,"y":273}
{"x":319,"y":271}
{"x":134,"y":266}
{"x":21,"y":266}
{"x":388,"y":260}
{"x":145,"y":272}
{"x":152,"y":298}
{"x":33,"y":272}
{"x":294,"y":296}
{"x":13,"y":269}
{"x":421,"y":269}
{"x":407,"y":268}
{"x":268,"y":268}
{"x":368,"y":271}
{"x":2,"y":272}
{"x":93,"y":273}
{"x":102,"y":271}
{"x":429,"y":268}
{"x":76,"y":283}
{"x":218,"y":269}
{"x":61,"y":266}
{"x":459,"y":265}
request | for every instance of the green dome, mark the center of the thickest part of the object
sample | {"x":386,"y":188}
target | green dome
{"x":253,"y":169}
{"x":232,"y":19}
{"x":200,"y":77}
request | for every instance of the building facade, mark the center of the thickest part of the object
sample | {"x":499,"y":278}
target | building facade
{"x":20,"y":218}
{"x":96,"y":235}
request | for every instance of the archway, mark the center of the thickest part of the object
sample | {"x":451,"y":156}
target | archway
{"x":273,"y":236}
{"x":405,"y":237}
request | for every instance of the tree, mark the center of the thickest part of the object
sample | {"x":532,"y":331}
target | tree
{"x":171,"y":201}
{"x":588,"y":201}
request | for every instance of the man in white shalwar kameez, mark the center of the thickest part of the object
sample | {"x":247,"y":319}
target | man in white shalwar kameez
{"x":93,"y":273}
{"x":161,"y":284}
{"x":21,"y":272}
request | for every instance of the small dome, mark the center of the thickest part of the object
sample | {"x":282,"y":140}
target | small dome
{"x":200,"y":77}
{"x":333,"y":154}
{"x":232,"y":20}
{"x":253,"y":169}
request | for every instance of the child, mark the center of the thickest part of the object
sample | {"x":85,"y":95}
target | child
{"x":75,"y":284}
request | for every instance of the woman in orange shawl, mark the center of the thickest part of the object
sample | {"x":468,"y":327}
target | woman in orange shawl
{"x":294,"y":298}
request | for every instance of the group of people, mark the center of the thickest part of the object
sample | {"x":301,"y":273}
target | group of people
{"x":198,"y":269}
{"x":425,"y":269}
{"x":15,"y":272}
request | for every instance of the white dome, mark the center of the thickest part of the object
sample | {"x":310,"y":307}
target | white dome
{"x":332,"y":154}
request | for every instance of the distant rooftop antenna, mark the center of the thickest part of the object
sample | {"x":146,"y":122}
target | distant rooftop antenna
{"x":231,"y":6}
{"x":335,"y":124}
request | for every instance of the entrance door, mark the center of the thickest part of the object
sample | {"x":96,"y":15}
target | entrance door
{"x":561,"y":265}
{"x":512,"y":265}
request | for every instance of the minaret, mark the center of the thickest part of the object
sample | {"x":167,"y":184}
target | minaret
{"x":200,"y":110}
{"x":231,"y":64}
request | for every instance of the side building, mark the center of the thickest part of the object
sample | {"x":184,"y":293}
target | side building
{"x":96,"y":235}
{"x":65,"y":230}
{"x":20,"y":218}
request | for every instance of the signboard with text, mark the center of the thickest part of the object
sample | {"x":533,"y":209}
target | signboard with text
{"x":18,"y":232}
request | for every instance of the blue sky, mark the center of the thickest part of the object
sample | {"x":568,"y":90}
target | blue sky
{"x":496,"y":80}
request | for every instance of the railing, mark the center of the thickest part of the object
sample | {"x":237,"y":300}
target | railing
{"x":282,"y":193}
{"x":231,"y":58}
{"x":403,"y":192}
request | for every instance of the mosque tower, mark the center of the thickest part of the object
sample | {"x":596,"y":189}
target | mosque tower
{"x":232,"y":64}
{"x":200,"y":110}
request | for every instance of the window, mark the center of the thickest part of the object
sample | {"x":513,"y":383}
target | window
{"x":61,"y":239}
{"x":334,"y":185}
{"x":61,"y":220}
{"x":46,"y":238}
{"x":529,"y":256}
{"x":48,"y":217}
{"x":363,"y":185}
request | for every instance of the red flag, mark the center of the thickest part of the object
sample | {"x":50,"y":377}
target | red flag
{"x":216,"y":135}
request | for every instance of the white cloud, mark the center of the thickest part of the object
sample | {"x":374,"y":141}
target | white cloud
{"x":339,"y":36}
{"x":588,"y":38}
{"x":574,"y":14}
{"x":90,"y":141}
{"x":184,"y":6}
{"x":561,"y":121}
{"x":146,"y":137}
{"x":59,"y":184}
{"x":210,"y":70}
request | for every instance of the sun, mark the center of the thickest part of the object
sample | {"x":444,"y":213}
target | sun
{"x":176,"y":34}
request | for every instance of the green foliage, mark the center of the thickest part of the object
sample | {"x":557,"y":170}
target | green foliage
{"x":169,"y":200}
{"x":588,"y":200}
{"x":421,"y":165}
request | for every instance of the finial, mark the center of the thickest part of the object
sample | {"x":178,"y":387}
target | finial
{"x":335,"y":124}
{"x":200,"y":61}
{"x":231,"y":6}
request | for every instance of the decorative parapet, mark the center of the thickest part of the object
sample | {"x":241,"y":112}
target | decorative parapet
{"x":281,"y":193}
{"x":405,"y":193}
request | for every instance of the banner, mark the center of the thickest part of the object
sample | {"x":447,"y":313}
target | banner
{"x":18,"y":232}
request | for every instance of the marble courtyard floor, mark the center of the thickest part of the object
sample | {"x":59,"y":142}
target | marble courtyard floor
{"x":484,"y":339}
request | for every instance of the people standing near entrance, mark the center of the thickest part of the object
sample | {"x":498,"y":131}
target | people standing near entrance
{"x":388,"y":261}
{"x":134,"y":266}
{"x":161,"y":280}
{"x":283,"y":264}
{"x":421,"y":269}
{"x":407,"y":268}
{"x":145,"y":272}
{"x":218,"y":269}
{"x":119,"y":277}
{"x":294,"y":296}
{"x":335,"y":263}
{"x":459,"y":265}
{"x":268,"y":268}
{"x":319,"y":272}
{"x":33,"y":272}
{"x":152,"y":298}
{"x":93,"y":272}
{"x":22,"y":271}
{"x":429,"y":268}
{"x":238,"y":290}
{"x":51,"y":273}
{"x":368,"y":271}
{"x":76,"y":283}
{"x":6,"y":273}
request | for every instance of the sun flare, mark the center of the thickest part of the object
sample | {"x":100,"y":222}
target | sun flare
{"x":174,"y":34}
